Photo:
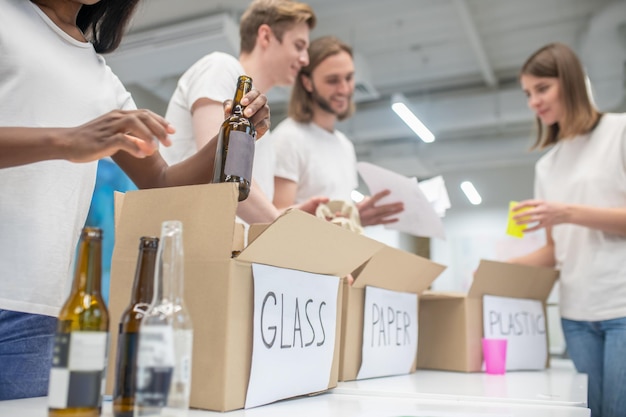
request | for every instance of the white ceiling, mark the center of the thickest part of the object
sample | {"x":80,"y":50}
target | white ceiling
{"x":455,"y":60}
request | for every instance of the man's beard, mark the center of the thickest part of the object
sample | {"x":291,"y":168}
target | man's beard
{"x":325,"y":105}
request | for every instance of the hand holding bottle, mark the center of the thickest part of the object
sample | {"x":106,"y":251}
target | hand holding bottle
{"x":256,"y":109}
{"x":234,"y":155}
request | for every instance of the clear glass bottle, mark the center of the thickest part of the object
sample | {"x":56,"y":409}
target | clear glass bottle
{"x":235,"y":147}
{"x":80,"y":346}
{"x":163,"y":384}
{"x":126,"y":361}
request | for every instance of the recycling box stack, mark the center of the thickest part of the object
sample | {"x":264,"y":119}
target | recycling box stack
{"x":267,"y":323}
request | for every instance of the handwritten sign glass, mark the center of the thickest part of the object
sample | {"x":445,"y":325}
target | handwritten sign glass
{"x":295,"y":317}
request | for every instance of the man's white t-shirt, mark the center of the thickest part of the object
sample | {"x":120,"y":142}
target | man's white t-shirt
{"x":589,"y":170}
{"x":214,"y":77}
{"x":47,"y":79}
{"x":322,"y":163}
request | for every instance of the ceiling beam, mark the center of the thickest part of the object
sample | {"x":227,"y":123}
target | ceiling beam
{"x":476,"y":42}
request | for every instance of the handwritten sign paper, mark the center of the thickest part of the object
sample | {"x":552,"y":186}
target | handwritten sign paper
{"x":523,"y":323}
{"x":419,"y":218}
{"x":389,"y":333}
{"x":295,"y":317}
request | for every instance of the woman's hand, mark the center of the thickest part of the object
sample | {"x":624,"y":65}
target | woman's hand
{"x":137,"y":132}
{"x":256,"y":109}
{"x":543,"y":213}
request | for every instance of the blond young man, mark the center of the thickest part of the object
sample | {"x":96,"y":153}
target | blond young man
{"x":274,"y":40}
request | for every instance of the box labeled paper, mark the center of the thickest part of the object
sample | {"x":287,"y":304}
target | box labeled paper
{"x":390,"y":269}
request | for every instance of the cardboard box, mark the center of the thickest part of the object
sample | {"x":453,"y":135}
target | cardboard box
{"x":219,"y":289}
{"x":391,"y":269}
{"x":451,"y":324}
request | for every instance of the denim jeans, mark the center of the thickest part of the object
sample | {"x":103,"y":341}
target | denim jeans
{"x":599,"y":349}
{"x":26,"y":342}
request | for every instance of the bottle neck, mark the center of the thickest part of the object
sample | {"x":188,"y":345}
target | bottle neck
{"x":143,"y":286}
{"x":244,"y":86}
{"x":169,"y":278}
{"x":88,"y":274}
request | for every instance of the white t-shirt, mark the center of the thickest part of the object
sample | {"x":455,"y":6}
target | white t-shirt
{"x":322,"y":163}
{"x":590,"y":170}
{"x":47,"y":79}
{"x":214,"y":77}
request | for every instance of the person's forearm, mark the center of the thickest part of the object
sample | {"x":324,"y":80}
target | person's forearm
{"x":23,"y":145}
{"x":153,"y":172}
{"x":543,"y":256}
{"x":257,"y":208}
{"x":610,"y":220}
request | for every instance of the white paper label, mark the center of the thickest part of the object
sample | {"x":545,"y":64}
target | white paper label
{"x":389,"y":333}
{"x":156,"y":346}
{"x":77,"y":373}
{"x":184,"y":345}
{"x":295,"y":319}
{"x":522,"y":322}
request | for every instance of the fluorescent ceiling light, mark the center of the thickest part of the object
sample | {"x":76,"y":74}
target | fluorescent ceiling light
{"x":398,"y":105}
{"x":357,"y":197}
{"x":471,"y":193}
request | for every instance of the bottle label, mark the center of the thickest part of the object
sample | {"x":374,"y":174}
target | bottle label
{"x":155,"y":365}
{"x":77,"y":372}
{"x":184,"y":347}
{"x":126,"y":365}
{"x":240,"y":155}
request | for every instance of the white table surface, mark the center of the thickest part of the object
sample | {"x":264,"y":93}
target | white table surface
{"x":560,"y":385}
{"x":343,"y":405}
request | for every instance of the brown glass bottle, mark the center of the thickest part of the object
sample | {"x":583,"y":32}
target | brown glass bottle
{"x":79,"y":356}
{"x":126,"y":361}
{"x":235,"y":146}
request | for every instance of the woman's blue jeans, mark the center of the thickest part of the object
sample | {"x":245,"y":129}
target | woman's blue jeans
{"x":26,"y":342}
{"x":599,"y":349}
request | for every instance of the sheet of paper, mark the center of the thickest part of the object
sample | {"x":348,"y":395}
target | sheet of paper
{"x":436,"y":193}
{"x":523,"y":323}
{"x":389,"y":333}
{"x":295,"y":318}
{"x":419,"y":218}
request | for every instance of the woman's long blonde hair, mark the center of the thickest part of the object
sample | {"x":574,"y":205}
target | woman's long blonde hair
{"x":557,"y":60}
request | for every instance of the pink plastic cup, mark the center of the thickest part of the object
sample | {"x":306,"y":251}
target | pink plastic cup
{"x":494,"y":352}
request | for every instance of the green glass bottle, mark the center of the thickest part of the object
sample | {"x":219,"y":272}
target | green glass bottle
{"x":80,"y":346}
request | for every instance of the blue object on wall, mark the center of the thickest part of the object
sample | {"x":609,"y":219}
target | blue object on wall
{"x":109,"y":178}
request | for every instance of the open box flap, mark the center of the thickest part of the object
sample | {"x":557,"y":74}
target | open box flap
{"x":206,"y":211}
{"x":298,"y":240}
{"x":397,"y":270}
{"x":512,"y":280}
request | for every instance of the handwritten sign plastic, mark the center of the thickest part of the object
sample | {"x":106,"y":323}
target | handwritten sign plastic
{"x":389,"y":333}
{"x":295,"y":317}
{"x":523,"y":323}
